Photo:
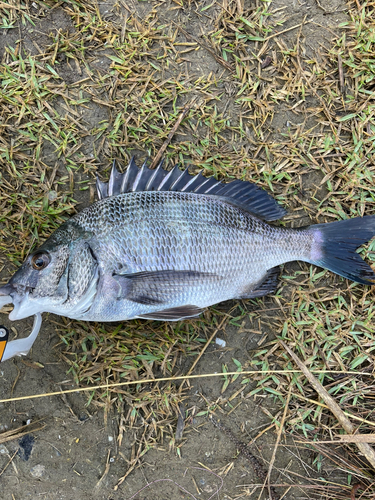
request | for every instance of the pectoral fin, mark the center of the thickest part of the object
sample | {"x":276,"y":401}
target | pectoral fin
{"x":174,"y":314}
{"x":160,"y":287}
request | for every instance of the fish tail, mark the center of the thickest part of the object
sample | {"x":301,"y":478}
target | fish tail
{"x":334,"y":247}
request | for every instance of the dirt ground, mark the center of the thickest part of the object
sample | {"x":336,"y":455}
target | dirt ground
{"x":74,"y":450}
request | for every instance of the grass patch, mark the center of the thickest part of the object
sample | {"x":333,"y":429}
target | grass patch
{"x":297,"y":121}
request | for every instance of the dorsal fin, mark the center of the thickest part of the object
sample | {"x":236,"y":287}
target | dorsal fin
{"x":241,"y":193}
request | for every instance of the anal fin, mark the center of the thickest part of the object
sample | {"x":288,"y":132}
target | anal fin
{"x":267,"y":285}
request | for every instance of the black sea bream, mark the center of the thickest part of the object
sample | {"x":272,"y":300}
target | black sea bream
{"x":165,"y":245}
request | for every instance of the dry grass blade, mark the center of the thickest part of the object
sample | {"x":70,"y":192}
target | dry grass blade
{"x":355,"y":438}
{"x":106,"y":470}
{"x":133,"y":461}
{"x":279,"y":432}
{"x":20,"y":431}
{"x":219,"y":59}
{"x":244,"y":450}
{"x":180,"y":423}
{"x":162,"y":379}
{"x":364,"y":448}
{"x":161,"y":151}
{"x":341,"y":74}
{"x":287,"y":30}
{"x":203,"y":350}
{"x":8,"y":463}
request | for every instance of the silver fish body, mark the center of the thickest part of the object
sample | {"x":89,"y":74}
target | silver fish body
{"x":216,"y":251}
{"x":165,"y":245}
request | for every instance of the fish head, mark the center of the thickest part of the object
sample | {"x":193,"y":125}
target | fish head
{"x":43,"y":282}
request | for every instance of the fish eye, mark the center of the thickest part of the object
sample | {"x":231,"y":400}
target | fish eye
{"x":40,"y":260}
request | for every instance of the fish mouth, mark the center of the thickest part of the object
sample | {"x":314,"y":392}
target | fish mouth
{"x":10,"y":289}
{"x":7,"y":289}
{"x":5,"y":297}
{"x":17,"y":295}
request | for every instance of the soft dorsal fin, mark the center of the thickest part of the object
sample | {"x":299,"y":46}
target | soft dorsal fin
{"x":241,"y":193}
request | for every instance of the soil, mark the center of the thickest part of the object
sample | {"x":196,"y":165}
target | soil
{"x":78,"y":443}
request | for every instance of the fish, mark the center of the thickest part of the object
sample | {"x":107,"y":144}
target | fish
{"x":165,"y":245}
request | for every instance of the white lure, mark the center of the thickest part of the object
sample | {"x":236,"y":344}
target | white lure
{"x":19,"y":347}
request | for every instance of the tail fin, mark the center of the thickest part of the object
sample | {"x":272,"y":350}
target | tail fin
{"x":335,"y":245}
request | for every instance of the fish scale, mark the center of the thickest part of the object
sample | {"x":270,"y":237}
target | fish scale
{"x":164,"y":245}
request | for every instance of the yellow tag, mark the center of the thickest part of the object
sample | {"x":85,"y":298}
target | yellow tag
{"x":3,"y":344}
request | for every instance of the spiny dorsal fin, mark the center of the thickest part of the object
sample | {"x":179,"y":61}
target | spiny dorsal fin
{"x":241,"y":193}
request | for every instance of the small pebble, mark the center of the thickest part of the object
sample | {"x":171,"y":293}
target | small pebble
{"x":220,"y":342}
{"x":52,"y":195}
{"x":37,"y":471}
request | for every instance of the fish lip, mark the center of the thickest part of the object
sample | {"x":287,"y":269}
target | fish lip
{"x":19,"y":295}
{"x":12,"y":289}
{"x":7,"y":289}
{"x":18,"y":301}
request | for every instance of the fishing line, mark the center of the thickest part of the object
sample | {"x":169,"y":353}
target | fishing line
{"x":181,"y":377}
